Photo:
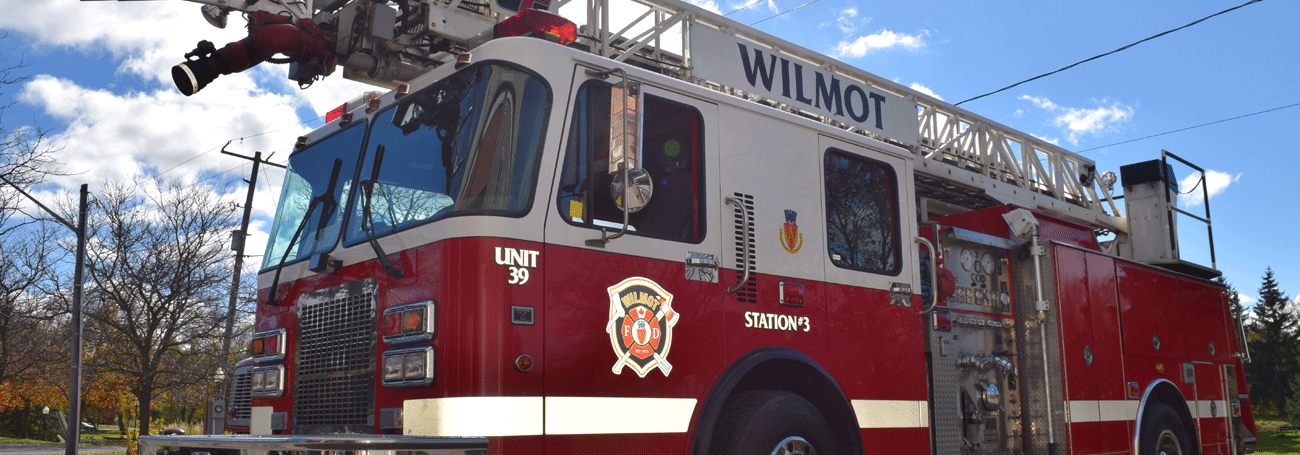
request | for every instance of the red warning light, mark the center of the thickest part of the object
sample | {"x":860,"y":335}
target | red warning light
{"x":541,"y":24}
{"x":335,"y":113}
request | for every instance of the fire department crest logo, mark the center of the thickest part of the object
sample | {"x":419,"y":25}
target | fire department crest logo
{"x":791,"y":239}
{"x":641,"y":320}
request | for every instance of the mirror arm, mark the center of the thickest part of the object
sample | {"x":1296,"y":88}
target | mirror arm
{"x":604,"y":234}
{"x":627,"y":163}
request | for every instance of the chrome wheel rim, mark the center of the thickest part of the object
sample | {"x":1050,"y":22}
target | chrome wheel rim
{"x":794,"y":445}
{"x":1167,"y":444}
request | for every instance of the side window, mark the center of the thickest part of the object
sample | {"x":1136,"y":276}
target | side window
{"x":672,"y":153}
{"x":862,"y":226}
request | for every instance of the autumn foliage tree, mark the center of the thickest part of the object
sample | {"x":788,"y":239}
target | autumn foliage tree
{"x":158,"y":274}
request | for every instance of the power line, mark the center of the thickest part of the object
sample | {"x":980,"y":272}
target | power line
{"x":1193,"y":127}
{"x":743,"y":7}
{"x":1111,"y":52}
{"x":182,"y":163}
{"x":792,"y":9}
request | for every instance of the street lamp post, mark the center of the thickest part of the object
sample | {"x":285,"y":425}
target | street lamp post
{"x":73,"y":427}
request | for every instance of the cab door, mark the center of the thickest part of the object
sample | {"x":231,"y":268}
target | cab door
{"x":871,"y":255}
{"x":632,"y":308}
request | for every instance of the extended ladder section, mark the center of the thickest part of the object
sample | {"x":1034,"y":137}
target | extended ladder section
{"x":961,"y":159}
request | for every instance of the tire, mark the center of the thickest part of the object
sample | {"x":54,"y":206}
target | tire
{"x":772,"y":422}
{"x":1163,"y":433}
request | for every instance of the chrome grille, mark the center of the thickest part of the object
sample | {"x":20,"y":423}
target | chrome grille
{"x":335,"y":382}
{"x":745,"y":240}
{"x":241,"y":398}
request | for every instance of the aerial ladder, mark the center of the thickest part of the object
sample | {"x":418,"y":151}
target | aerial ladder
{"x":963,"y":160}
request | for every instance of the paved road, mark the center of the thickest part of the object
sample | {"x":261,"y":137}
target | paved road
{"x":46,"y":449}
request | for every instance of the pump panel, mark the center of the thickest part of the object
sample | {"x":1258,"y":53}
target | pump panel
{"x":972,"y":344}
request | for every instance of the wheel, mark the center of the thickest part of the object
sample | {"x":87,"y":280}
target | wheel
{"x":1163,"y":433}
{"x":772,"y":422}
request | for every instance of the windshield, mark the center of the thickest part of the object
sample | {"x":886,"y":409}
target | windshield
{"x":468,"y":144}
{"x":308,"y":177}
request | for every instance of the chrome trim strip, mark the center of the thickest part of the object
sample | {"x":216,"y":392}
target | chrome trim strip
{"x":1142,"y":409}
{"x":891,"y":413}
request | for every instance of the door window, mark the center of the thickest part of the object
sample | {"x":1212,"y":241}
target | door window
{"x":862,"y":225}
{"x":672,"y":154}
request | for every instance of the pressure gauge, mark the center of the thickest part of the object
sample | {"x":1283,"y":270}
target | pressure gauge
{"x":986,"y":260}
{"x":967,"y":260}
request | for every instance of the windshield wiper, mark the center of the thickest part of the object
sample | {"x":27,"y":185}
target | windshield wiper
{"x":367,"y":225}
{"x":328,"y":202}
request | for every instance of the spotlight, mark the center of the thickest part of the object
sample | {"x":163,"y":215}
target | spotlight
{"x":1108,"y":180}
{"x":216,"y":15}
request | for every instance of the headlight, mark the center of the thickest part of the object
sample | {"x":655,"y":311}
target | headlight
{"x":257,"y":382}
{"x":408,"y":367}
{"x":267,"y":382}
{"x":414,"y":366}
{"x":393,"y":368}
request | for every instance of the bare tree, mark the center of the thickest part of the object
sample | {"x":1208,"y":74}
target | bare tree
{"x":159,"y":269}
{"x":26,"y":281}
{"x":27,"y":266}
{"x":26,"y":156}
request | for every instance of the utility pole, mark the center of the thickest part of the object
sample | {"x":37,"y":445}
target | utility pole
{"x":79,"y":276}
{"x":237,"y":244}
{"x":73,"y":424}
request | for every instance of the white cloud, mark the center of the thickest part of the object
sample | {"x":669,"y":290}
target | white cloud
{"x":106,"y":133}
{"x":1042,"y":103}
{"x":846,"y":21}
{"x":119,"y":137}
{"x":925,"y":90}
{"x":879,"y":41}
{"x":145,"y":35}
{"x":1052,"y":140}
{"x":1077,"y":122}
{"x":1215,"y":182}
{"x":710,"y":5}
{"x":111,"y":134}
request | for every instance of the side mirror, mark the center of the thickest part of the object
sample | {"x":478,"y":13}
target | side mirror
{"x":630,"y":186}
{"x":635,"y":197}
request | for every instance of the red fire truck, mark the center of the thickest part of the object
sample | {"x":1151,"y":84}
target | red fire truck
{"x":551,"y":240}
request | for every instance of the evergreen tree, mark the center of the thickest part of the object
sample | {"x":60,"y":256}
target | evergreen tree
{"x":1273,"y":349}
{"x":1293,"y":404}
{"x":1234,"y":301}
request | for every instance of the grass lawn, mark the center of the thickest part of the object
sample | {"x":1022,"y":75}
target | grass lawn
{"x":4,"y":440}
{"x":102,"y":437}
{"x":1272,"y":439}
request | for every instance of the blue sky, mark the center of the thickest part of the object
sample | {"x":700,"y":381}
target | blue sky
{"x":100,"y":83}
